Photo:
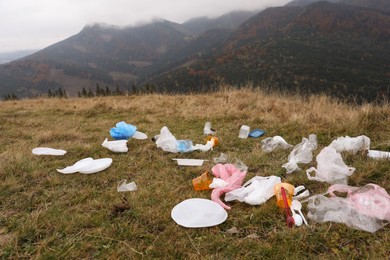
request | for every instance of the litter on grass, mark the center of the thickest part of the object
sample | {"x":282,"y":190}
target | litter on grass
{"x":244,"y":132}
{"x":366,"y":208}
{"x":87,"y":166}
{"x":272,"y":143}
{"x":330,"y":168}
{"x":124,"y":131}
{"x":48,"y":151}
{"x":189,"y":162}
{"x":375,"y":154}
{"x":118,"y":146}
{"x":198,"y":213}
{"x":208,"y":130}
{"x":302,"y":153}
{"x":123,"y":186}
{"x":256,"y":133}
{"x":351,"y":144}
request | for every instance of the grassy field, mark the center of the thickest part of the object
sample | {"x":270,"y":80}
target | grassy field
{"x":47,"y":214}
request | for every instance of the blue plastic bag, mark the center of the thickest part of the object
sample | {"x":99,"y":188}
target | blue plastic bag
{"x":122,"y":131}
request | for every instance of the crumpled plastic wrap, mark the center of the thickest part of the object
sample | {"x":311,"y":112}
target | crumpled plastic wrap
{"x":330,"y":168}
{"x":302,"y":153}
{"x":230,"y":174}
{"x":122,"y":131}
{"x":272,"y":143}
{"x":351,"y":144}
{"x":256,"y":191}
{"x":366,"y":208}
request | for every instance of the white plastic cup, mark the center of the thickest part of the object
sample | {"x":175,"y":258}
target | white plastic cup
{"x":244,"y":131}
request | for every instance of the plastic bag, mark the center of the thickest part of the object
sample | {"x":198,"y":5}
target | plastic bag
{"x":166,"y":141}
{"x":366,"y":208}
{"x":122,"y":131}
{"x":232,"y":175}
{"x":255,"y":191}
{"x":330,"y":168}
{"x":302,"y":153}
{"x":119,"y":146}
{"x":351,"y":144}
{"x":271,"y":143}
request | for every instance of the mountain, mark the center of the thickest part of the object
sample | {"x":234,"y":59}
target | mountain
{"x":337,"y":48}
{"x":14,"y":55}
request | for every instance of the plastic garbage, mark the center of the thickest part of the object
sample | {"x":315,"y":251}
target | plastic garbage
{"x":118,"y":146}
{"x":351,"y":144}
{"x":189,"y":162}
{"x":166,"y":141}
{"x":184,"y":146}
{"x":256,"y":133}
{"x":232,"y":175}
{"x":207,"y":130}
{"x":330,"y":168}
{"x":244,"y":131}
{"x":223,"y":158}
{"x":202,"y":182}
{"x":289,"y":191}
{"x":375,"y":154}
{"x":48,"y":151}
{"x":123,"y":186}
{"x":300,"y":192}
{"x":297,"y":218}
{"x":256,"y":191}
{"x":272,"y":143}
{"x":139,"y":135}
{"x":239,"y":164}
{"x":297,"y":205}
{"x":87,"y":166}
{"x":198,"y":213}
{"x":218,"y":183}
{"x":366,"y":208}
{"x":122,"y":131}
{"x":302,"y":153}
{"x":289,"y":219}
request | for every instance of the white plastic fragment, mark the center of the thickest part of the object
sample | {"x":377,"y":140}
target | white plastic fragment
{"x":218,"y":183}
{"x":271,"y":143}
{"x":77,"y":166}
{"x":244,"y":132}
{"x":87,"y":166}
{"x":118,"y":146}
{"x":302,"y":153}
{"x":375,"y":154}
{"x":48,"y":151}
{"x":123,"y":186}
{"x":139,"y":135}
{"x":351,"y":144}
{"x":207,"y":130}
{"x":189,"y":162}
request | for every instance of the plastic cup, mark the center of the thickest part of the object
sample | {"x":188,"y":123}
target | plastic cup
{"x":289,"y":190}
{"x":202,"y":182}
{"x":244,"y":131}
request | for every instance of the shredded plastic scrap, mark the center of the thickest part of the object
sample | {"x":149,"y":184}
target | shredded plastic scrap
{"x":366,"y":208}
{"x":302,"y":153}
{"x":230,"y":174}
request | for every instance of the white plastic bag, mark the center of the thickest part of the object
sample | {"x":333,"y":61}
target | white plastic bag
{"x":330,"y":167}
{"x":302,"y":153}
{"x":351,"y":144}
{"x":271,"y":143}
{"x":166,"y":141}
{"x":118,"y":146}
{"x":255,"y":191}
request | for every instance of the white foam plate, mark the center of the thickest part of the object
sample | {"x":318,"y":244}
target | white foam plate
{"x":83,"y":163}
{"x":378,"y":154}
{"x":96,"y":166}
{"x":139,"y":135}
{"x":48,"y":151}
{"x":198,"y":213}
{"x":189,"y":162}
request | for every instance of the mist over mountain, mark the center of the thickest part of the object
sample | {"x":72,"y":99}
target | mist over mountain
{"x":338,"y":48}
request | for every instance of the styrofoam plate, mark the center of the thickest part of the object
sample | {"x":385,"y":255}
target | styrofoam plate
{"x":198,"y":213}
{"x":189,"y":162}
{"x":96,"y":166}
{"x":48,"y":151}
{"x":83,"y":163}
{"x":139,"y":135}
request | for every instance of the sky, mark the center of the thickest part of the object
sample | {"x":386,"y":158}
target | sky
{"x":36,"y":24}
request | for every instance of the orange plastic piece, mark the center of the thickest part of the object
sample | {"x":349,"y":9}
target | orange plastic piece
{"x":214,"y":139}
{"x":202,"y":182}
{"x":289,"y":190}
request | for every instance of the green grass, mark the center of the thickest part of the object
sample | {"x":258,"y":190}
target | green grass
{"x":45,"y":214}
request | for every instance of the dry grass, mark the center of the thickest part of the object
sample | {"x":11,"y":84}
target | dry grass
{"x":47,"y":214}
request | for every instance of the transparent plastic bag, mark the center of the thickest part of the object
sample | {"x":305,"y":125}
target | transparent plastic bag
{"x":166,"y":141}
{"x":351,"y":144}
{"x":366,"y":208}
{"x":302,"y":153}
{"x":330,"y":168}
{"x":271,"y":143}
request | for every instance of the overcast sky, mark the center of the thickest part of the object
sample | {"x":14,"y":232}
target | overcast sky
{"x":35,"y":24}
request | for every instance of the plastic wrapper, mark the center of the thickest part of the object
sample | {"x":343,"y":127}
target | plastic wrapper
{"x":351,"y":144}
{"x":256,"y":191}
{"x":272,"y":143}
{"x":122,"y":131}
{"x":330,"y":168}
{"x":366,"y":208}
{"x":302,"y":153}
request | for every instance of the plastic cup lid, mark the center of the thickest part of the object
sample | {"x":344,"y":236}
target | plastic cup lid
{"x":48,"y":151}
{"x":96,"y":166}
{"x":83,"y":163}
{"x":139,"y":135}
{"x":198,"y":213}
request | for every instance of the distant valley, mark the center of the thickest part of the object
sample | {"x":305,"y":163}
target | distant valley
{"x":341,"y":48}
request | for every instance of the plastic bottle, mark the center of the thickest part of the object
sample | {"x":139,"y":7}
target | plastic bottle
{"x":184,"y":146}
